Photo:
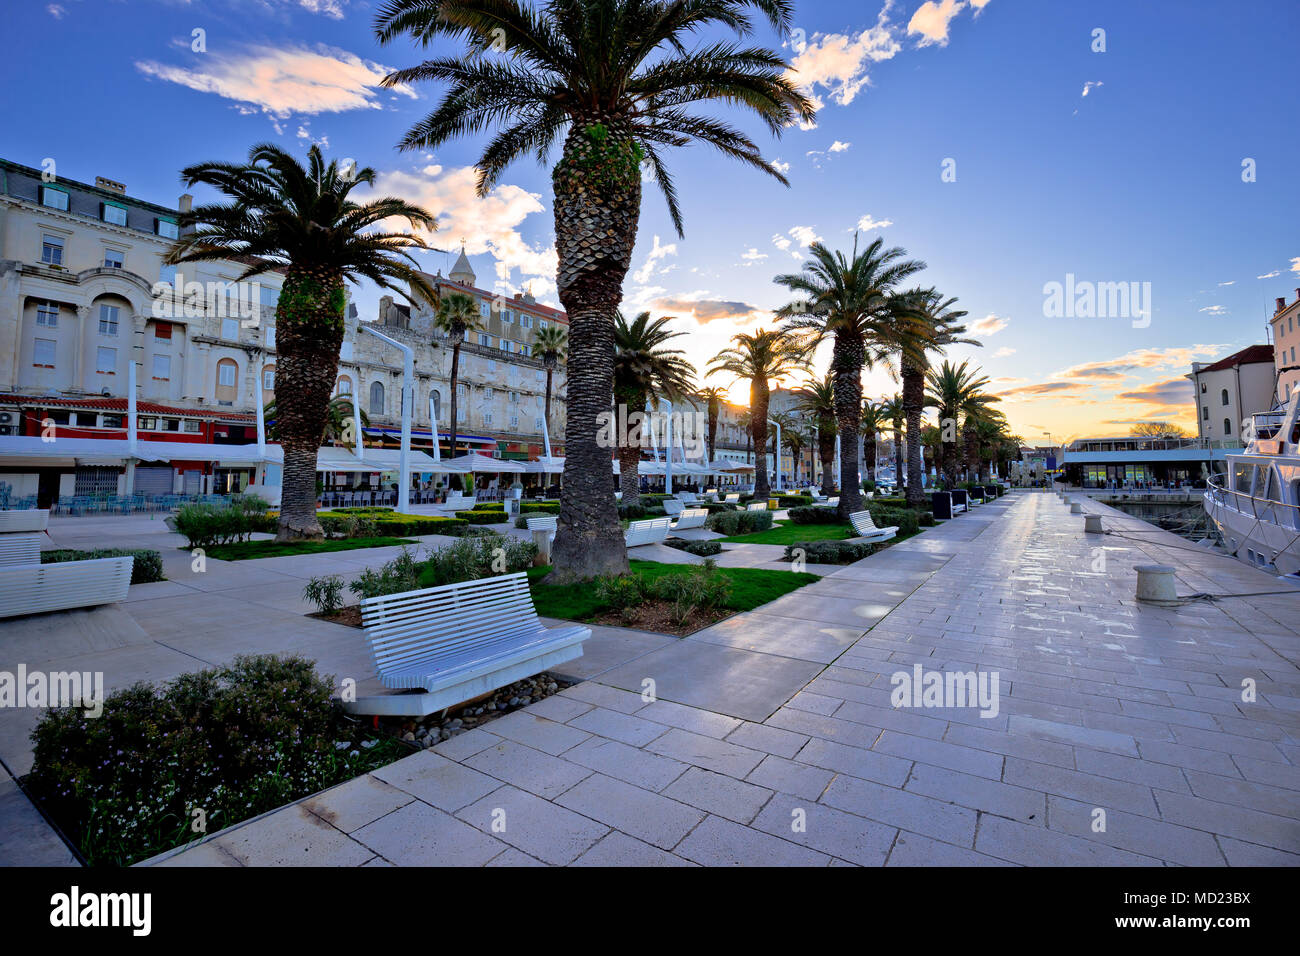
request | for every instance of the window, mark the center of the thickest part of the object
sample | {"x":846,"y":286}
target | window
{"x":192,"y":425}
{"x":542,"y":323}
{"x":105,"y":360}
{"x":171,"y":424}
{"x":85,"y":419}
{"x":270,"y":336}
{"x":514,"y":397}
{"x":43,"y":353}
{"x":487,"y":418}
{"x":268,"y":295}
{"x":514,"y":421}
{"x":507,"y":316}
{"x":505,"y":345}
{"x":146,"y":424}
{"x":484,"y":339}
{"x":230,"y":329}
{"x":57,"y":416}
{"x":162,"y":368}
{"x":113,"y":421}
{"x":376,"y":398}
{"x":162,"y":330}
{"x":345,"y":386}
{"x":47,"y":315}
{"x":537,"y":423}
{"x":108,"y":316}
{"x":110,"y":213}
{"x":1205,"y":413}
{"x":268,"y":378}
{"x":112,"y":259}
{"x":1203,"y":388}
{"x":1227,"y":426}
{"x":52,"y":251}
{"x":525,"y":320}
{"x":1224,"y":398}
{"x":166,"y":228}
{"x":226,"y":370}
{"x":54,"y":198}
{"x":489,"y":393}
{"x":484,"y":309}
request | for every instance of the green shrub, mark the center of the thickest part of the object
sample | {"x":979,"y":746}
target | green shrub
{"x":905,"y":519}
{"x":829,"y":552}
{"x":926,"y":519}
{"x":145,"y":569}
{"x":794,"y":501}
{"x":730,"y":523}
{"x":482,"y":517}
{"x":702,"y":588}
{"x":490,"y":506}
{"x":233,"y":742}
{"x":398,"y":575}
{"x":358,"y":523}
{"x":204,"y":525}
{"x":701,"y":548}
{"x":539,"y":507}
{"x":477,"y":557}
{"x":813,"y":515}
{"x":631,"y":511}
{"x":714,"y":507}
{"x":325,"y":592}
{"x":618,"y":592}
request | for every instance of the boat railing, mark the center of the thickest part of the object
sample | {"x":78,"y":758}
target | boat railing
{"x":1265,"y":509}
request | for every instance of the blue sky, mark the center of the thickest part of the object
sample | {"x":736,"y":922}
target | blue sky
{"x":1140,"y":180}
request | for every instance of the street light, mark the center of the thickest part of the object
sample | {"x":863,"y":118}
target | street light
{"x":771,"y":421}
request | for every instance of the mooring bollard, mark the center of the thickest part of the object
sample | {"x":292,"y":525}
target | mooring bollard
{"x":1076,"y":508}
{"x":1092,"y":524}
{"x":1155,"y":584}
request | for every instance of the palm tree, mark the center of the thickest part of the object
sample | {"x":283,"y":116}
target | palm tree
{"x":990,"y":432}
{"x":894,"y":412}
{"x":850,"y":300}
{"x":302,"y":220}
{"x":713,"y":397}
{"x":550,"y":344}
{"x":980,"y":419}
{"x":339,"y":420}
{"x":612,"y":83}
{"x":816,"y":399}
{"x":757,"y":358}
{"x":937,"y":329}
{"x":456,"y":317}
{"x":958,"y":393}
{"x":873,"y":420}
{"x":645,"y":371}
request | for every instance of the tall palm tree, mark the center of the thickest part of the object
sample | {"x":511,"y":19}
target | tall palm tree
{"x":339,"y":420}
{"x":873,"y":421}
{"x":457,"y":315}
{"x":302,"y":220}
{"x":612,"y":83}
{"x":979,"y":418}
{"x":990,"y":433}
{"x":757,"y":358}
{"x":645,"y":371}
{"x":850,"y":300}
{"x":938,"y":328}
{"x":550,"y":344}
{"x":894,"y":412}
{"x":957,"y":392}
{"x":713,"y":397}
{"x":816,"y":400}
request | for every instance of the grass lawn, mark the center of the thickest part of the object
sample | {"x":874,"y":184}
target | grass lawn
{"x":787,"y":532}
{"x":750,"y":588}
{"x":244,"y":550}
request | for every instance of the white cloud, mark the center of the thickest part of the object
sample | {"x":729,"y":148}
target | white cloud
{"x":838,"y":63}
{"x":1229,"y":282}
{"x":867,"y":223}
{"x":1295,"y":264}
{"x":781,"y":242}
{"x":488,"y":224}
{"x":1214,"y":310}
{"x":991,"y":324}
{"x":1091,"y":85}
{"x":752,"y":255}
{"x":280,"y":82}
{"x":804,"y":235}
{"x":780,"y":167}
{"x":931,"y":20}
{"x":56,"y":11}
{"x":1004,"y":352}
{"x":838,"y":147}
{"x":1270,"y":275}
{"x":642,"y":275}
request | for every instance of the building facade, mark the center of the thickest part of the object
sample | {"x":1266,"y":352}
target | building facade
{"x":1230,"y":390}
{"x":1286,"y":346}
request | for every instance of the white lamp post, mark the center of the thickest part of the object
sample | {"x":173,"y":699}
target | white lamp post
{"x":403,"y":455}
{"x":771,"y":421}
{"x":668,"y":447}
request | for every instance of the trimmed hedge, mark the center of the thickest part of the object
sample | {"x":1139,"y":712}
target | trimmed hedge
{"x":701,"y":548}
{"x":905,"y":519}
{"x":145,"y":569}
{"x":814,"y":515}
{"x":482,"y":517}
{"x":539,"y":507}
{"x":830,"y":552}
{"x":794,"y":501}
{"x":391,"y":524}
{"x":731,"y":523}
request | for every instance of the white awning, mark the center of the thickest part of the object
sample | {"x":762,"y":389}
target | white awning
{"x":482,"y":463}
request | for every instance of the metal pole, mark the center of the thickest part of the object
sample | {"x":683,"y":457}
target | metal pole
{"x":778,"y":451}
{"x":433,"y":427}
{"x":404,"y":454}
{"x":668,"y":447}
{"x":259,"y":403}
{"x":837,"y":455}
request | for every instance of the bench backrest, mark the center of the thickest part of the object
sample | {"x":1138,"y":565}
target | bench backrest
{"x":833,"y":502}
{"x":424,"y":626}
{"x":673,"y":506}
{"x":862,"y":523}
{"x":31,"y":519}
{"x":756,"y":506}
{"x":34,"y":588}
{"x":542,"y":523}
{"x":461,"y":502}
{"x":647,"y":531}
{"x":692,"y":518}
{"x":733,"y":499}
{"x":21,"y":548}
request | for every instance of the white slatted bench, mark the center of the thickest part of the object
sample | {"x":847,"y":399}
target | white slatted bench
{"x":458,"y":641}
{"x":832,"y":502}
{"x":459,"y":502}
{"x":20,"y":548}
{"x":673,"y":506}
{"x":30,"y":519}
{"x":867,"y":530}
{"x":36,"y":588}
{"x":732,"y":499}
{"x":756,"y":506}
{"x":691,"y":518}
{"x":543,"y":523}
{"x":650,"y":531}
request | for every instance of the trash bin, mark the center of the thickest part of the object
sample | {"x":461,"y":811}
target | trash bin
{"x":959,"y":497}
{"x":990,"y":492}
{"x":941,"y":504}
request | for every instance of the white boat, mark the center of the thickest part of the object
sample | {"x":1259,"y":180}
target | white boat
{"x":1256,"y":505}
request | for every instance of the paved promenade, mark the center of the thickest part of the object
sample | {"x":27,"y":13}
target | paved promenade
{"x":1121,"y":735}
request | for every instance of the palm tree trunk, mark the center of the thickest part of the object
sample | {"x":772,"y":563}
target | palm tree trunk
{"x":970,"y":450}
{"x":547,"y":410}
{"x":309,"y":325}
{"x":455,"y":391}
{"x":846,"y":366}
{"x":913,"y":406}
{"x":758,"y":399}
{"x":898,"y":454}
{"x":713,"y":432}
{"x":597,"y":187}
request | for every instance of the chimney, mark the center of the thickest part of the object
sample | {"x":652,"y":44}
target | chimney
{"x":1297,"y":295}
{"x":111,"y":185}
{"x":1281,"y":303}
{"x":185,"y":203}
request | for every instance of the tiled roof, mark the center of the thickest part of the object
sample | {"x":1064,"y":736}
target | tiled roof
{"x":108,"y":404}
{"x":1251,"y":355}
